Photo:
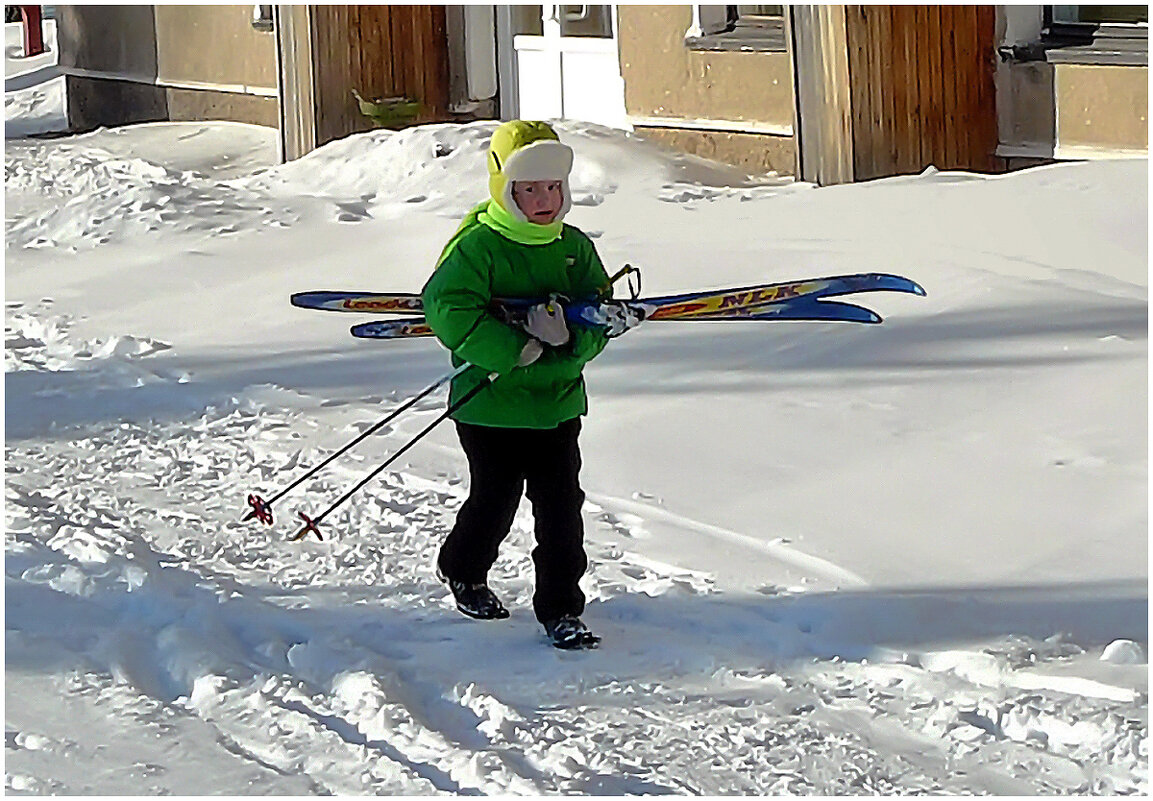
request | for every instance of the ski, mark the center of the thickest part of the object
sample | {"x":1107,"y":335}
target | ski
{"x":392,"y":329}
{"x":828,"y":311}
{"x":681,"y":306}
{"x":810,"y":310}
{"x":696,"y":304}
{"x":361,"y":302}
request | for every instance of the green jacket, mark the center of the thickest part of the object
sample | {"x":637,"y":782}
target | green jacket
{"x":478,"y":265}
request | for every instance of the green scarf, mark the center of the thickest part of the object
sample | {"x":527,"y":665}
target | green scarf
{"x":527,"y":233}
{"x":493,"y":215}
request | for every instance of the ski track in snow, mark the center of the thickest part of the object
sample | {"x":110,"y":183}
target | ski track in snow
{"x":796,"y":559}
{"x":341,"y":667}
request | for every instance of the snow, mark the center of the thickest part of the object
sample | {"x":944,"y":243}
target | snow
{"x":33,"y":85}
{"x":824,"y":558}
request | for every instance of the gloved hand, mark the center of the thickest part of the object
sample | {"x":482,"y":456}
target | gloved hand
{"x":618,"y":317}
{"x":532,"y":351}
{"x":546,"y":323}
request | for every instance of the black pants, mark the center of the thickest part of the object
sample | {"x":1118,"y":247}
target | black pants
{"x":503,"y":463}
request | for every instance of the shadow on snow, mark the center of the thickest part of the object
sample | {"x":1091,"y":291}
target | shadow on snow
{"x":765,"y":356}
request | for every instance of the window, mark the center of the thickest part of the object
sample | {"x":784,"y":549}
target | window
{"x":262,"y":18}
{"x":590,"y":21}
{"x":595,"y":21}
{"x":739,"y":27}
{"x":1096,"y":35}
{"x":1114,"y":35}
{"x":758,"y":13}
{"x":1100,"y":15}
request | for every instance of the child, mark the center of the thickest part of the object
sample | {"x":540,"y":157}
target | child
{"x":520,"y":433}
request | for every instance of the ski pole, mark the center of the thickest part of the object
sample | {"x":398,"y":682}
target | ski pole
{"x":262,"y":509}
{"x":310,"y":524}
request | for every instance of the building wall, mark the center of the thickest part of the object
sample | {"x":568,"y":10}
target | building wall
{"x":117,"y":40}
{"x":195,"y":104}
{"x":1072,"y":111}
{"x":756,"y":153}
{"x":214,"y":45}
{"x":100,"y":102}
{"x":732,"y":106}
{"x":146,"y":63}
{"x":1054,"y":107}
{"x":1026,"y":114}
{"x":1101,"y":108}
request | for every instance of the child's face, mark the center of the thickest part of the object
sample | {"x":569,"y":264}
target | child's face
{"x":540,"y":201}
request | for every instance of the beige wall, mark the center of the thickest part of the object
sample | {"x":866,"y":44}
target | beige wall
{"x":1072,"y":110}
{"x":1026,"y":114}
{"x":169,"y":44}
{"x":1057,"y":108}
{"x":214,"y":44}
{"x":140,"y":63}
{"x":112,"y":39}
{"x":193,"y":104}
{"x":1101,"y":108}
{"x":756,"y":153}
{"x":735,"y":107}
{"x":95,"y":102}
{"x":664,"y":78}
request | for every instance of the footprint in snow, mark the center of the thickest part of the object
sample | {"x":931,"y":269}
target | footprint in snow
{"x":353,"y":212}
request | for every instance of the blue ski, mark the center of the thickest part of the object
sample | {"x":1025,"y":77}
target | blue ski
{"x":827,"y":311}
{"x":680,"y":306}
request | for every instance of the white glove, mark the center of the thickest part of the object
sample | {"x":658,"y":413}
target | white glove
{"x":546,"y":323}
{"x":618,"y":317}
{"x":532,"y":351}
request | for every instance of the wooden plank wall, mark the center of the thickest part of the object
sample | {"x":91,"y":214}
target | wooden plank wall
{"x":922,"y":88}
{"x":381,"y":51}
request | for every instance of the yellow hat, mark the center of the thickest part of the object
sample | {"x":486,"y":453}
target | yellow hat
{"x":521,"y":150}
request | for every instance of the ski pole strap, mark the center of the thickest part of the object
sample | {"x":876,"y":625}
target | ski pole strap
{"x":312,"y":523}
{"x":634,"y":276}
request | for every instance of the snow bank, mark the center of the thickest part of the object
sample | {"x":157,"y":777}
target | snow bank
{"x":88,"y":196}
{"x":103,"y":190}
{"x":387,"y":166}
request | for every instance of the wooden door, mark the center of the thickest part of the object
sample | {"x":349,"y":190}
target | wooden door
{"x":922,"y":89}
{"x":381,"y":52}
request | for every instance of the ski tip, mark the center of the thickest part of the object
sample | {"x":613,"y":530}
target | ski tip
{"x":306,"y":300}
{"x":895,"y":283}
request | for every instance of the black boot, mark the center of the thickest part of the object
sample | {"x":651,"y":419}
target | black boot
{"x":568,"y":632}
{"x":475,"y":600}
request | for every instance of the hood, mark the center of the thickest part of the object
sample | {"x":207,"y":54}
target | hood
{"x":527,"y":151}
